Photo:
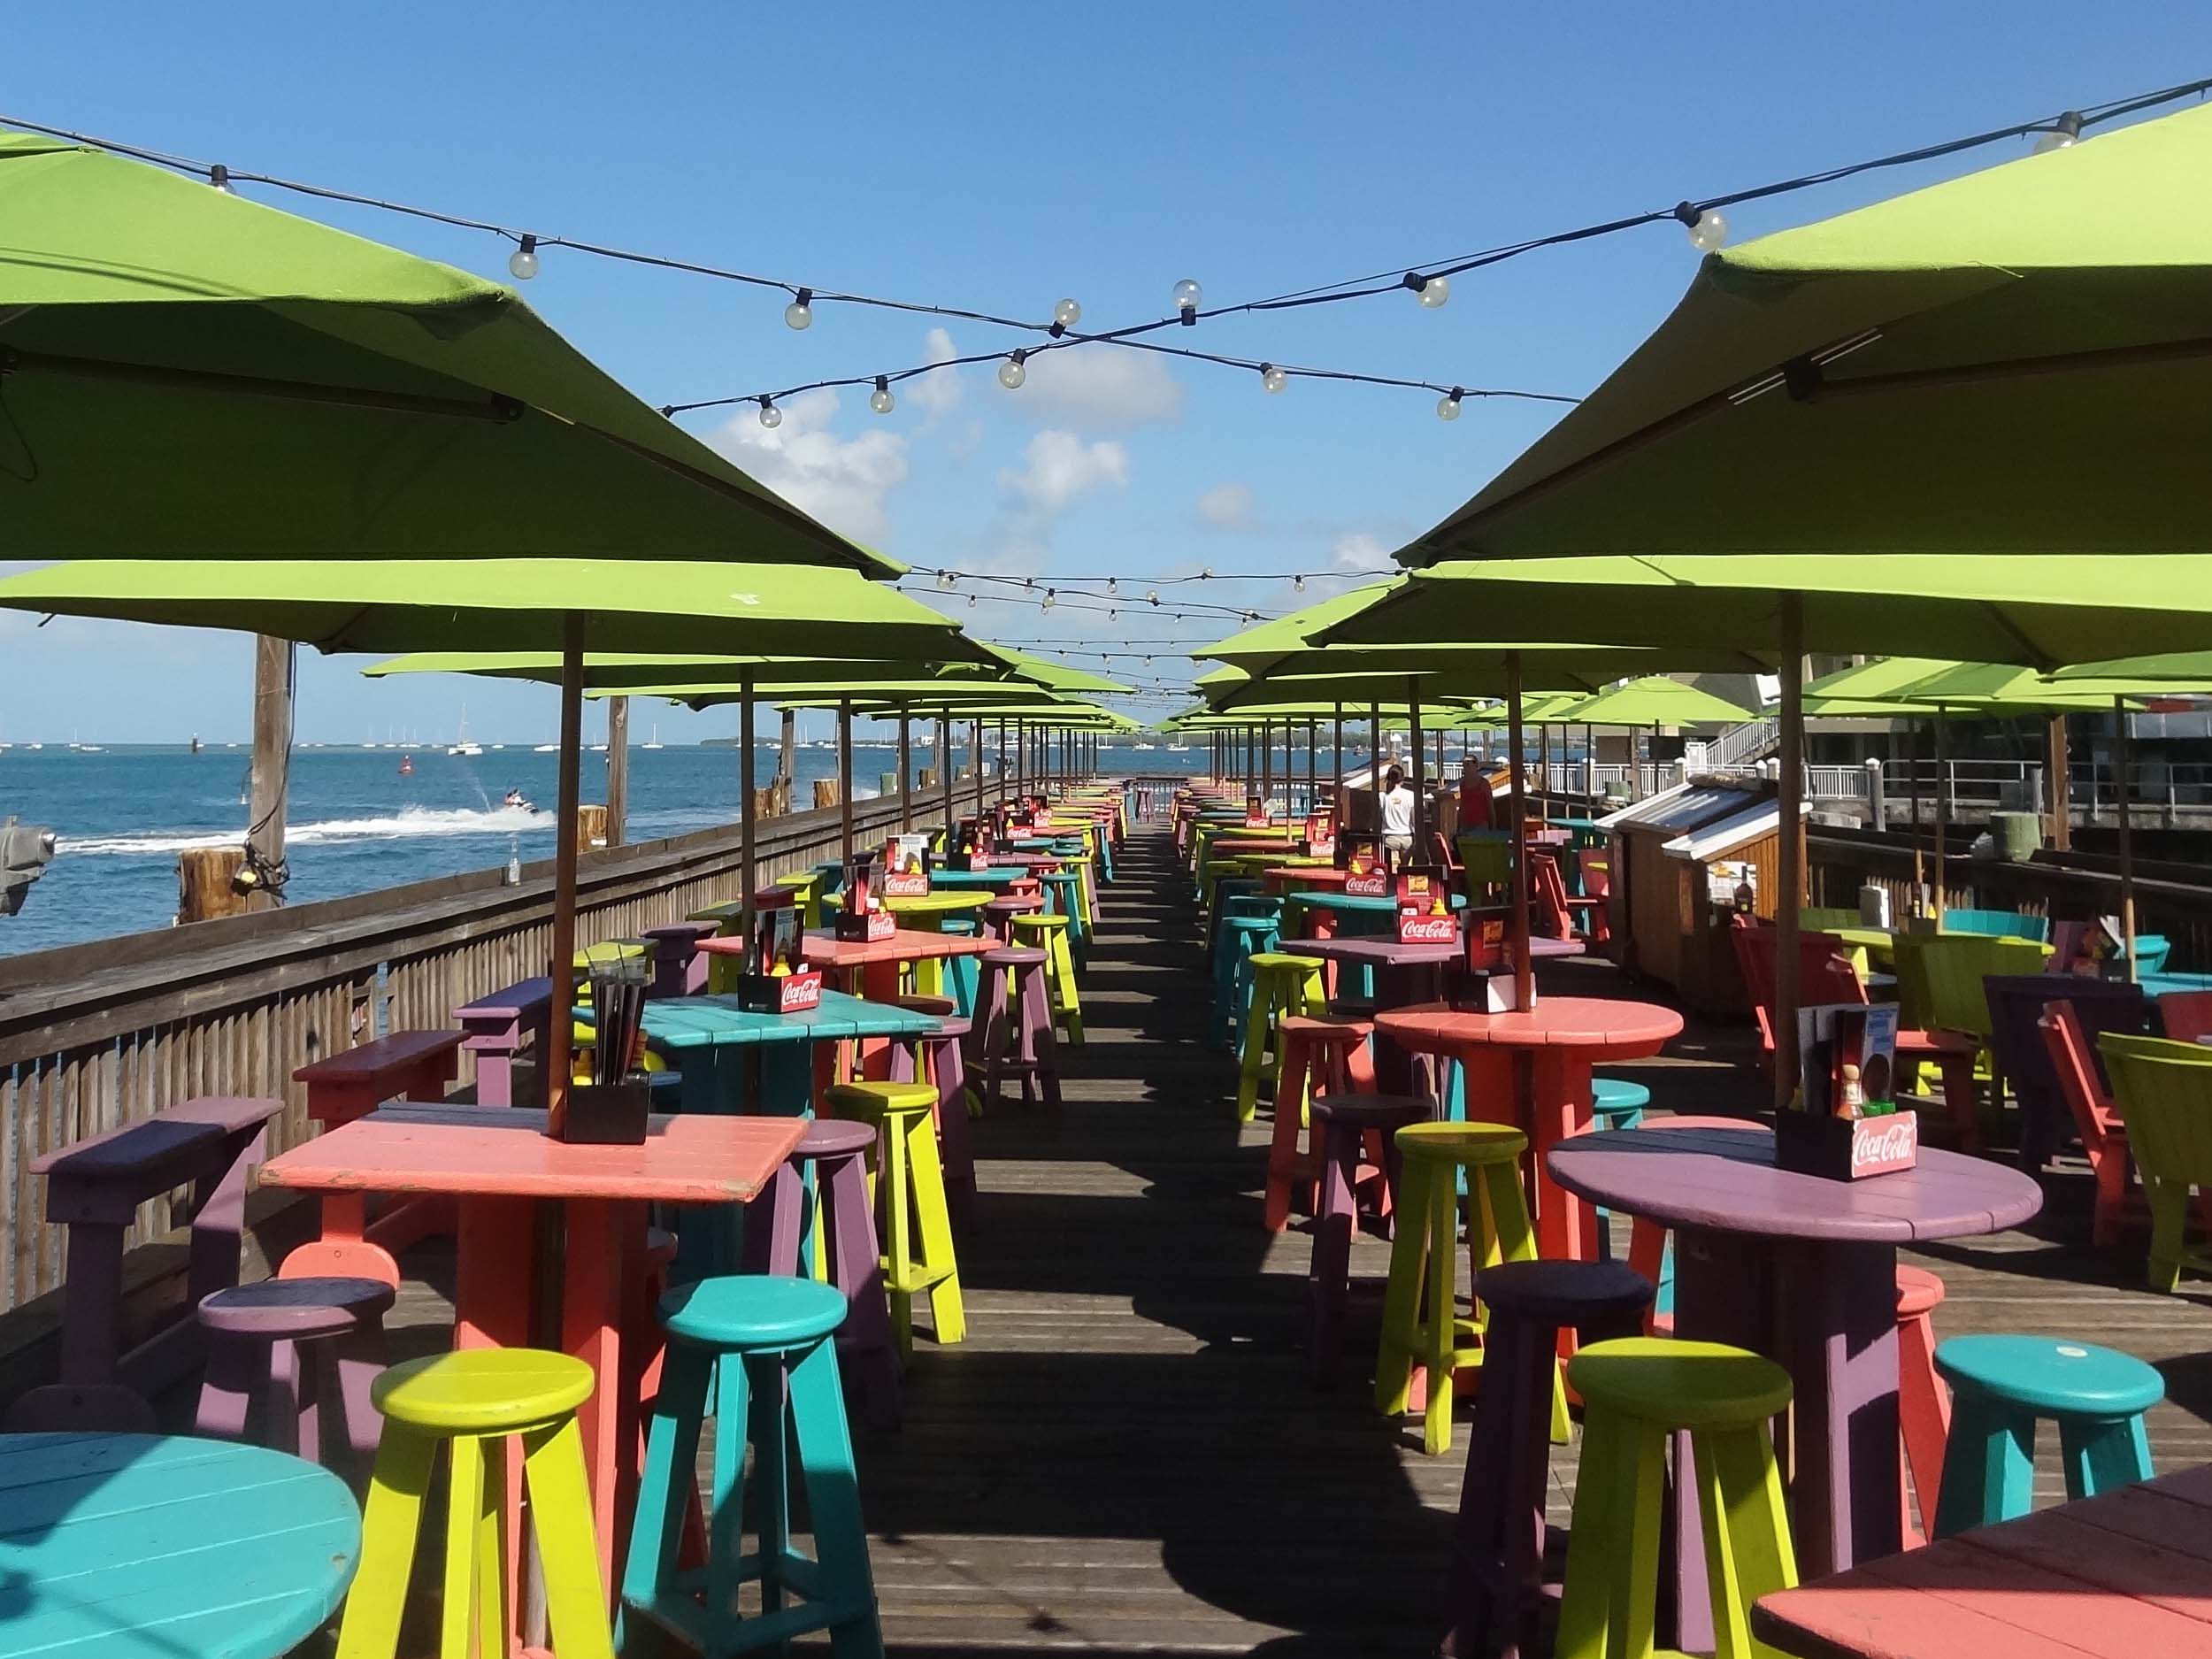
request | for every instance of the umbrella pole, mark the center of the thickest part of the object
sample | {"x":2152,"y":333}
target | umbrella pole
{"x":1942,"y":810}
{"x":1313,"y":764}
{"x":1267,"y":766}
{"x":845,"y":778}
{"x":1374,"y":762}
{"x":2127,"y":848}
{"x":1517,"y":853}
{"x":560,"y":1033}
{"x":1336,"y":757}
{"x":2056,"y":764}
{"x":1791,"y":859}
{"x":747,"y":812}
{"x":1912,"y":780}
{"x":1413,"y":748}
{"x":944,"y":768}
{"x":906,"y":776}
{"x":975,"y":761}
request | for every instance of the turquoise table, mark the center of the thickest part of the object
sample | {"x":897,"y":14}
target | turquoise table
{"x":997,"y":877}
{"x":707,"y":1037}
{"x":2167,"y":983}
{"x":161,"y":1547}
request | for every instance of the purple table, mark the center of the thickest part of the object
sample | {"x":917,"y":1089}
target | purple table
{"x":1804,"y":1271}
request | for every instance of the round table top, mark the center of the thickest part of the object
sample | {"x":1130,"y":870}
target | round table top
{"x":1723,"y":1180}
{"x":938,"y":902}
{"x":1607,"y":1027}
{"x":1364,"y":903}
{"x":1384,"y":951}
{"x":163,"y":1547}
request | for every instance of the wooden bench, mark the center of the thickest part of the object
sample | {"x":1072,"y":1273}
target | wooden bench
{"x":95,"y":1188}
{"x":415,"y":1065}
{"x":492,"y":1029}
{"x":680,"y":967}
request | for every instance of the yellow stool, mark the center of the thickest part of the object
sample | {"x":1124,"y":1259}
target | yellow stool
{"x":1421,"y":1329}
{"x":1282,"y":985}
{"x":1049,"y":934}
{"x":473,"y":1400}
{"x":1089,"y":872}
{"x":909,"y":1186}
{"x":806,"y":893}
{"x":607,"y":951}
{"x":1637,"y":1392}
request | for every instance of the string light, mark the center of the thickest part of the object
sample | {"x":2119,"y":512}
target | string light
{"x":800,"y":313}
{"x":1065,"y":315}
{"x":218,"y":175}
{"x":522,"y":264}
{"x":1447,"y":406}
{"x":1707,"y":226}
{"x":945,"y":580}
{"x":1050,"y":600}
{"x":1432,"y":290}
{"x":1187,"y":296}
{"x":1298,"y":584}
{"x":771,"y":417}
{"x":1010,"y":373}
{"x":1273,"y":378}
{"x":2064,"y":134}
{"x":880,"y":400}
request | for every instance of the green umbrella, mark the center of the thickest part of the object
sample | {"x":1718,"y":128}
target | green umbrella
{"x":2013,"y":360}
{"x":2166,"y":672}
{"x":190,"y":374}
{"x":1653,"y":700}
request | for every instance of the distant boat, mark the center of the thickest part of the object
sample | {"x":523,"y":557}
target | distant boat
{"x":656,"y":743}
{"x":547,"y":748}
{"x":1144,"y":748}
{"x":598,"y":749}
{"x":406,"y":765}
{"x":34,"y":746}
{"x":461,"y":744}
{"x":195,"y":742}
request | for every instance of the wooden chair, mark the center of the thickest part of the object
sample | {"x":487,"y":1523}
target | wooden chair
{"x":2103,"y":1136}
{"x":2186,"y":1015}
{"x":1996,"y":925}
{"x":2016,"y":1003}
{"x":1559,"y":914}
{"x":2163,"y":1090}
{"x":1939,"y":982}
{"x":1822,"y":918}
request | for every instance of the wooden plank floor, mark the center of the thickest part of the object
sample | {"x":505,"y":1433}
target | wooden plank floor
{"x":1125,"y":1456}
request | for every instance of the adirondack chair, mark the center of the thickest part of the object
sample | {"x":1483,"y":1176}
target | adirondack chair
{"x":2103,"y":1136}
{"x":1996,"y":925}
{"x":1827,"y":918}
{"x":1825,"y":974}
{"x":2016,"y":1003}
{"x":2163,"y":1090}
{"x":2186,"y":1015}
{"x":1485,"y":862}
{"x":1939,"y":986}
{"x":1557,"y":914}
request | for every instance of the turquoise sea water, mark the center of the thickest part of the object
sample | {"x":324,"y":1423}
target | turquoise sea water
{"x":355,"y":823}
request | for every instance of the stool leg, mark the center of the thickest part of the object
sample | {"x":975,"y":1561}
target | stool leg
{"x":465,"y":1507}
{"x":1923,"y":1411}
{"x":1393,"y":1361}
{"x":560,"y":1506}
{"x":237,"y":1367}
{"x":1282,"y":1150}
{"x":952,"y":1132}
{"x":390,"y":1522}
{"x":1988,"y":1466}
{"x":894,"y":1200}
{"x":1748,"y":1548}
{"x":1443,"y":1312}
{"x":948,"y":1315}
{"x":1071,"y":996}
{"x":1252,"y":1060}
{"x":772,"y":1476}
{"x":2099,"y":1457}
{"x":1335,"y":1219}
{"x":1604,"y":1525}
{"x":668,"y":1481}
{"x":858,"y":1271}
{"x":1498,"y":1548}
{"x":727,"y":1516}
{"x":833,"y":1496}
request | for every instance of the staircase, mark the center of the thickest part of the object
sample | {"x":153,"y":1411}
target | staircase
{"x":1741,"y":748}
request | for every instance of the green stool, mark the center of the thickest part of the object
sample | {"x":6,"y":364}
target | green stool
{"x":2000,"y":1385}
{"x":754,"y":1353}
{"x":1637,"y":1392}
{"x":1281,"y":984}
{"x":1049,"y":934}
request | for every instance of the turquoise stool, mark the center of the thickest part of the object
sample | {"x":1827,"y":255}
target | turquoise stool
{"x":964,"y":980}
{"x":1063,"y":894}
{"x":2000,"y":1385}
{"x":753,"y":1352}
{"x":1236,"y":887}
{"x":1617,"y":1103}
{"x":1242,"y":937}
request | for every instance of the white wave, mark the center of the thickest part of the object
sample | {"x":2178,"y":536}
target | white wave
{"x":410,"y":822}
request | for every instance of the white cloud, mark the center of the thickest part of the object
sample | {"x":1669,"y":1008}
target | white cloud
{"x":1060,"y":466}
{"x":1099,"y":388}
{"x":1226,"y":507}
{"x":1360,"y":551}
{"x":937,"y":394}
{"x":843,"y":481}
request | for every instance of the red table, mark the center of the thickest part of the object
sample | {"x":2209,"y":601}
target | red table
{"x":1533,"y":1071}
{"x":2126,"y":1575}
{"x":1291,"y":878}
{"x":495,"y":1161}
{"x":877,"y":961}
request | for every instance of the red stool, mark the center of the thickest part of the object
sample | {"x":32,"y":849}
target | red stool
{"x":1322,"y":1054}
{"x":1018,"y":1036}
{"x":1924,"y":1404}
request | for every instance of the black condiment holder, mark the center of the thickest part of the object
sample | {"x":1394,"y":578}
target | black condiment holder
{"x":607,"y":1114}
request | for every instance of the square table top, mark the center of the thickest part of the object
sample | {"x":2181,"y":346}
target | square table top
{"x":677,"y":1023}
{"x":502,"y":1151}
{"x":824,"y":950}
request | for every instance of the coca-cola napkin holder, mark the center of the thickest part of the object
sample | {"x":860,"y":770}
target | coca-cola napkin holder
{"x":779,"y":993}
{"x":1846,"y":1148}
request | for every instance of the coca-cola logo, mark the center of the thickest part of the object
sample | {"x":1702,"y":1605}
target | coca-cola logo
{"x":882,"y":925}
{"x":901,"y":884}
{"x":1879,"y":1145}
{"x":1369,"y":886}
{"x":1427,"y":930}
{"x":798,"y":992}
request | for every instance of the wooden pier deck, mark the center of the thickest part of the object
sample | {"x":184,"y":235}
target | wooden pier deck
{"x":1126,"y":1455}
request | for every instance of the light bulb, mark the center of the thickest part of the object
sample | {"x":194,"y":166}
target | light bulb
{"x":1187,"y":296}
{"x":771,"y":417}
{"x":1435,"y":291}
{"x":1447,"y":405}
{"x":1011,"y":374}
{"x":1273,"y":378}
{"x":1711,"y":230}
{"x":522,"y":264}
{"x":970,"y":602}
{"x":1298,"y":584}
{"x":945,"y":580}
{"x":800,"y":313}
{"x":1152,"y":597}
{"x":218,"y":175}
{"x":1067,"y":313}
{"x":2064,"y":135}
{"x":1051,"y":598}
{"x":880,"y":400}
{"x":1113,"y":584}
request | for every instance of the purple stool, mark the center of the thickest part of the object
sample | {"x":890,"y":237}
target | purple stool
{"x":845,"y":1226}
{"x":1498,"y":1549}
{"x":1342,"y":1123}
{"x":937,"y":1057}
{"x":257,"y":1373}
{"x":999,"y":914}
{"x":1018,"y":1034}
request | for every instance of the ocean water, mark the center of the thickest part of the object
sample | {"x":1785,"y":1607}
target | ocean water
{"x":122,"y":814}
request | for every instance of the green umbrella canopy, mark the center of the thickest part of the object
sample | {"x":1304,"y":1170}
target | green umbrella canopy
{"x":1290,"y":632}
{"x":655,"y":673}
{"x":2169,"y":673}
{"x":1653,"y":700}
{"x":191,"y":373}
{"x":1998,"y":689}
{"x":1471,"y":670}
{"x":1870,"y":690}
{"x":1992,"y":363}
{"x":502,"y":605}
{"x":2037,"y":610}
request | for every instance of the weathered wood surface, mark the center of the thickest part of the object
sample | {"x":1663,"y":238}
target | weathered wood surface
{"x":1126,"y":1455}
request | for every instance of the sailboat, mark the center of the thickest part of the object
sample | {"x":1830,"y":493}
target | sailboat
{"x":461,"y":744}
{"x":656,"y":743}
{"x":547,"y":748}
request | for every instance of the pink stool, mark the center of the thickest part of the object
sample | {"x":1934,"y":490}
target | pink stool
{"x":1321,"y":1055}
{"x":1018,"y":1036}
{"x":1924,"y":1404}
{"x":262,"y":1375}
{"x":1345,"y":1125}
{"x":936,"y":1057}
{"x":999,"y":914}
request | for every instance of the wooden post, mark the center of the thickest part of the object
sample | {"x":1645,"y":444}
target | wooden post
{"x":906,"y":773}
{"x":1790,"y":860}
{"x":1912,"y":781}
{"x":786,"y":767}
{"x":1374,"y":760}
{"x":2126,"y":748}
{"x":746,"y":816}
{"x":975,"y":762}
{"x":1517,"y":848}
{"x":617,"y":768}
{"x":944,"y":772}
{"x":845,"y":779}
{"x":1942,"y":810}
{"x":1414,"y":754}
{"x":563,"y":966}
{"x":2058,"y":798}
{"x":206,"y":885}
{"x":273,"y":668}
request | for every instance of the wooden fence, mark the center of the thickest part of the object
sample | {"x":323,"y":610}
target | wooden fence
{"x":97,"y":1036}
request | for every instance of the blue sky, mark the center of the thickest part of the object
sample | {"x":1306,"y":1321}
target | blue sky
{"x":1000,"y":156}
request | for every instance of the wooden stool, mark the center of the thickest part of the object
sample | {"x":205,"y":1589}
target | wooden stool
{"x":915,"y":1227}
{"x":1614,"y":1103}
{"x":1423,"y":1334}
{"x":1064,"y":895}
{"x":1924,"y":1404}
{"x":1242,"y":939}
{"x":258,"y":1377}
{"x":1322,"y":1054}
{"x":2000,"y":1385}
{"x":1347,"y":1127}
{"x":751,"y":1353}
{"x":1018,"y":1034}
{"x":1637,"y":1392}
{"x":1282,"y":985}
{"x":1498,"y":1550}
{"x":999,"y":913}
{"x":473,"y":1400}
{"x":934,"y":1058}
{"x":823,"y":1228}
{"x":1049,"y":934}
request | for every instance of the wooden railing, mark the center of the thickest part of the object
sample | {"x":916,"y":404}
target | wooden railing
{"x":97,"y":1036}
